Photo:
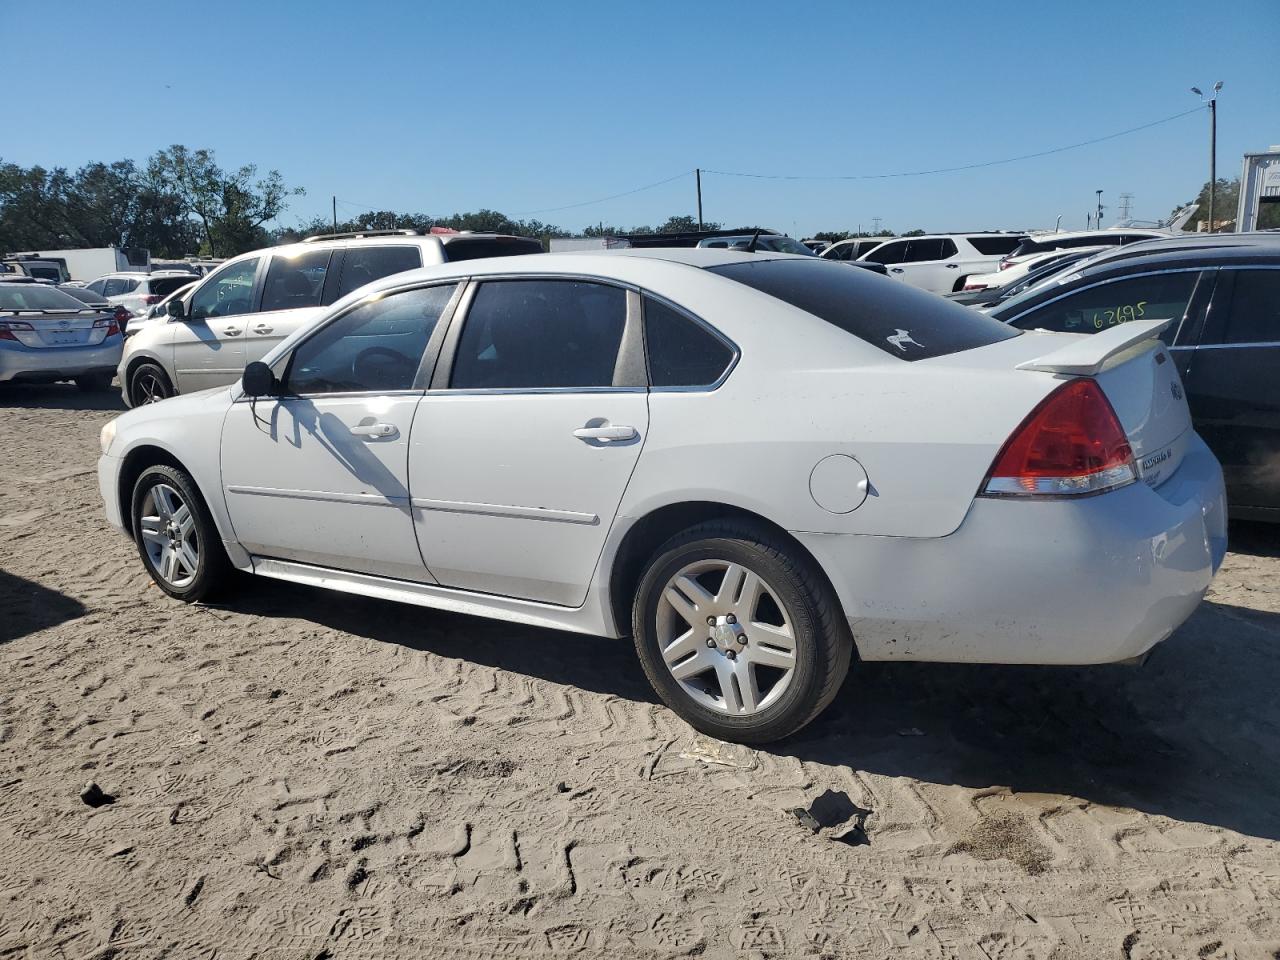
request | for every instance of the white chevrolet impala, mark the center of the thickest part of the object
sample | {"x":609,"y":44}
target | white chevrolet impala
{"x":758,"y":466}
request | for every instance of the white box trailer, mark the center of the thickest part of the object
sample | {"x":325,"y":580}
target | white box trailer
{"x":580,"y":244}
{"x":90,"y":264}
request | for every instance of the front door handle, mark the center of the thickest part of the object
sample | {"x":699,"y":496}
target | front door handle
{"x":262,"y":328}
{"x":608,"y":431}
{"x":897,"y":269}
{"x":374,"y":430}
{"x":231,"y":331}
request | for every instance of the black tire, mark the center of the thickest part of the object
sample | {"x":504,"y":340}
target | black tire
{"x":824,"y":646}
{"x":213,"y":569}
{"x":148,"y":383}
{"x":94,"y":382}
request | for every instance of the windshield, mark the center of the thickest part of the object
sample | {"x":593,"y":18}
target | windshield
{"x":36,"y":296}
{"x":902,"y":321}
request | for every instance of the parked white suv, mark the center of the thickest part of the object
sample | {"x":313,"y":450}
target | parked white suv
{"x":942,"y":262}
{"x":239,"y":312}
{"x":138,"y":291}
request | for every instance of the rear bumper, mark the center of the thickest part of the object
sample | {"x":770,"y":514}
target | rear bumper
{"x":20,"y":362}
{"x":1094,"y":580}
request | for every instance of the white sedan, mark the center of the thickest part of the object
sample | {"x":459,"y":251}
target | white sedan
{"x":759,"y":466}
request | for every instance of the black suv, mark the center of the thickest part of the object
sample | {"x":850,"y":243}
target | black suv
{"x":1224,"y":298}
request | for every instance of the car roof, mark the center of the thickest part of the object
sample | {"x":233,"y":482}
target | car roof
{"x":1048,"y":235}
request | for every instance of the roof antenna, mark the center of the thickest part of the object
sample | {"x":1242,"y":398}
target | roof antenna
{"x":751,"y":247}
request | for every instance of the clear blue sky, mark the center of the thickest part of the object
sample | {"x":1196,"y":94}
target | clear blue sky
{"x":442,"y":107}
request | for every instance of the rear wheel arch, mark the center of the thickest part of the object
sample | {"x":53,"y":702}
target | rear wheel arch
{"x":646,"y":535}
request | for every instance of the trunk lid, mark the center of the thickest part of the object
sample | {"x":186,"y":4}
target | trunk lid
{"x":57,"y":328}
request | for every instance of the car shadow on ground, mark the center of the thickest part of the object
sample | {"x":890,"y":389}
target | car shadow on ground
{"x":1188,"y":735}
{"x":59,"y":396}
{"x":27,"y":607}
{"x":1254,"y":538}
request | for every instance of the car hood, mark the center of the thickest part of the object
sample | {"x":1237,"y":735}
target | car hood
{"x":175,"y":408}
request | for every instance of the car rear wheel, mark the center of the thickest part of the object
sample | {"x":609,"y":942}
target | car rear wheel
{"x":94,"y":382}
{"x":148,"y":384}
{"x":738,"y":633}
{"x":176,"y":536}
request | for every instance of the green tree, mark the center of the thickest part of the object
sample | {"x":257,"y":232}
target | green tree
{"x":1226,"y":199}
{"x":230,"y":206}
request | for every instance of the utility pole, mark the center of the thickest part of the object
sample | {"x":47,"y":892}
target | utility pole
{"x":875,"y":224}
{"x":1098,"y":217}
{"x":1126,"y":205}
{"x":1213,"y":144}
{"x":335,"y":214}
{"x":698,"y":174}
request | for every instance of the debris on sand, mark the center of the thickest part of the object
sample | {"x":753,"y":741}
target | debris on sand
{"x":1004,"y":836}
{"x":92,"y":795}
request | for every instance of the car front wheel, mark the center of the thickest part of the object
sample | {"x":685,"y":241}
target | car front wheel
{"x":738,"y":633}
{"x":176,"y":536}
{"x":148,"y":384}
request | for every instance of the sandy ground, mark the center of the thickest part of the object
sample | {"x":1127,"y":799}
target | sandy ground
{"x":303,"y":775}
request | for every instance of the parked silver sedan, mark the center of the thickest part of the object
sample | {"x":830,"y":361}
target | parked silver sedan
{"x":46,"y":335}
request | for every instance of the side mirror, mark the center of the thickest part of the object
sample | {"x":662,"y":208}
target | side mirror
{"x":176,"y":309}
{"x":258,"y":380}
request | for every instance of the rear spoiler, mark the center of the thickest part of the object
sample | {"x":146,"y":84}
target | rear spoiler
{"x":1087,"y":355}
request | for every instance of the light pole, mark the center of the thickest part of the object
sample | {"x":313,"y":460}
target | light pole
{"x":1213,"y":144}
{"x":1097,"y":220}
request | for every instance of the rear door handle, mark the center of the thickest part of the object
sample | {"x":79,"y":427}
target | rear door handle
{"x":374,"y":430}
{"x":262,"y":328}
{"x":608,"y":431}
{"x":953,"y":266}
{"x":897,"y":269}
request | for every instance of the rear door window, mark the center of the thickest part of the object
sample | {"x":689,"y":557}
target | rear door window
{"x":365,"y":264}
{"x":681,"y":351}
{"x":1157,"y":296}
{"x":296,"y":281}
{"x":927,"y":250}
{"x":900,"y":320}
{"x":531,"y":334}
{"x":1254,"y":316}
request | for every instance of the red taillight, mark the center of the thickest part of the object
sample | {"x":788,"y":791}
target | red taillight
{"x":112,"y":326}
{"x":122,"y":315}
{"x":152,"y":299}
{"x":8,"y":329}
{"x":1071,"y":444}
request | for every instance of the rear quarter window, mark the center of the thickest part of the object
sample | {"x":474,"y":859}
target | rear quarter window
{"x":902,"y":321}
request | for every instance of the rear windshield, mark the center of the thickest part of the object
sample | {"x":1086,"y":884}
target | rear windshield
{"x":1052,"y":243}
{"x":476,"y":248}
{"x":902,"y":321}
{"x":36,"y":296}
{"x":87,"y":296}
{"x":166,"y":285}
{"x":995,"y":246}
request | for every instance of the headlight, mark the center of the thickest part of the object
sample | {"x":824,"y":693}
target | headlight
{"x":108,"y":434}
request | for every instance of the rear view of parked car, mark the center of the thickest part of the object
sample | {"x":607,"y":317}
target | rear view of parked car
{"x":239,"y":312}
{"x":47,"y":335}
{"x":137,"y":291}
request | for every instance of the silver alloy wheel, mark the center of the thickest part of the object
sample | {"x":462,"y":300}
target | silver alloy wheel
{"x":148,"y":388}
{"x":716,"y":643}
{"x":169,"y":535}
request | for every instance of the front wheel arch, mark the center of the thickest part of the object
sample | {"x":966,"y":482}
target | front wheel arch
{"x":126,"y":384}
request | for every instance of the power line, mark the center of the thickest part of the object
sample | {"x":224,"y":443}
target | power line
{"x":967,"y":166}
{"x":625,"y":193}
